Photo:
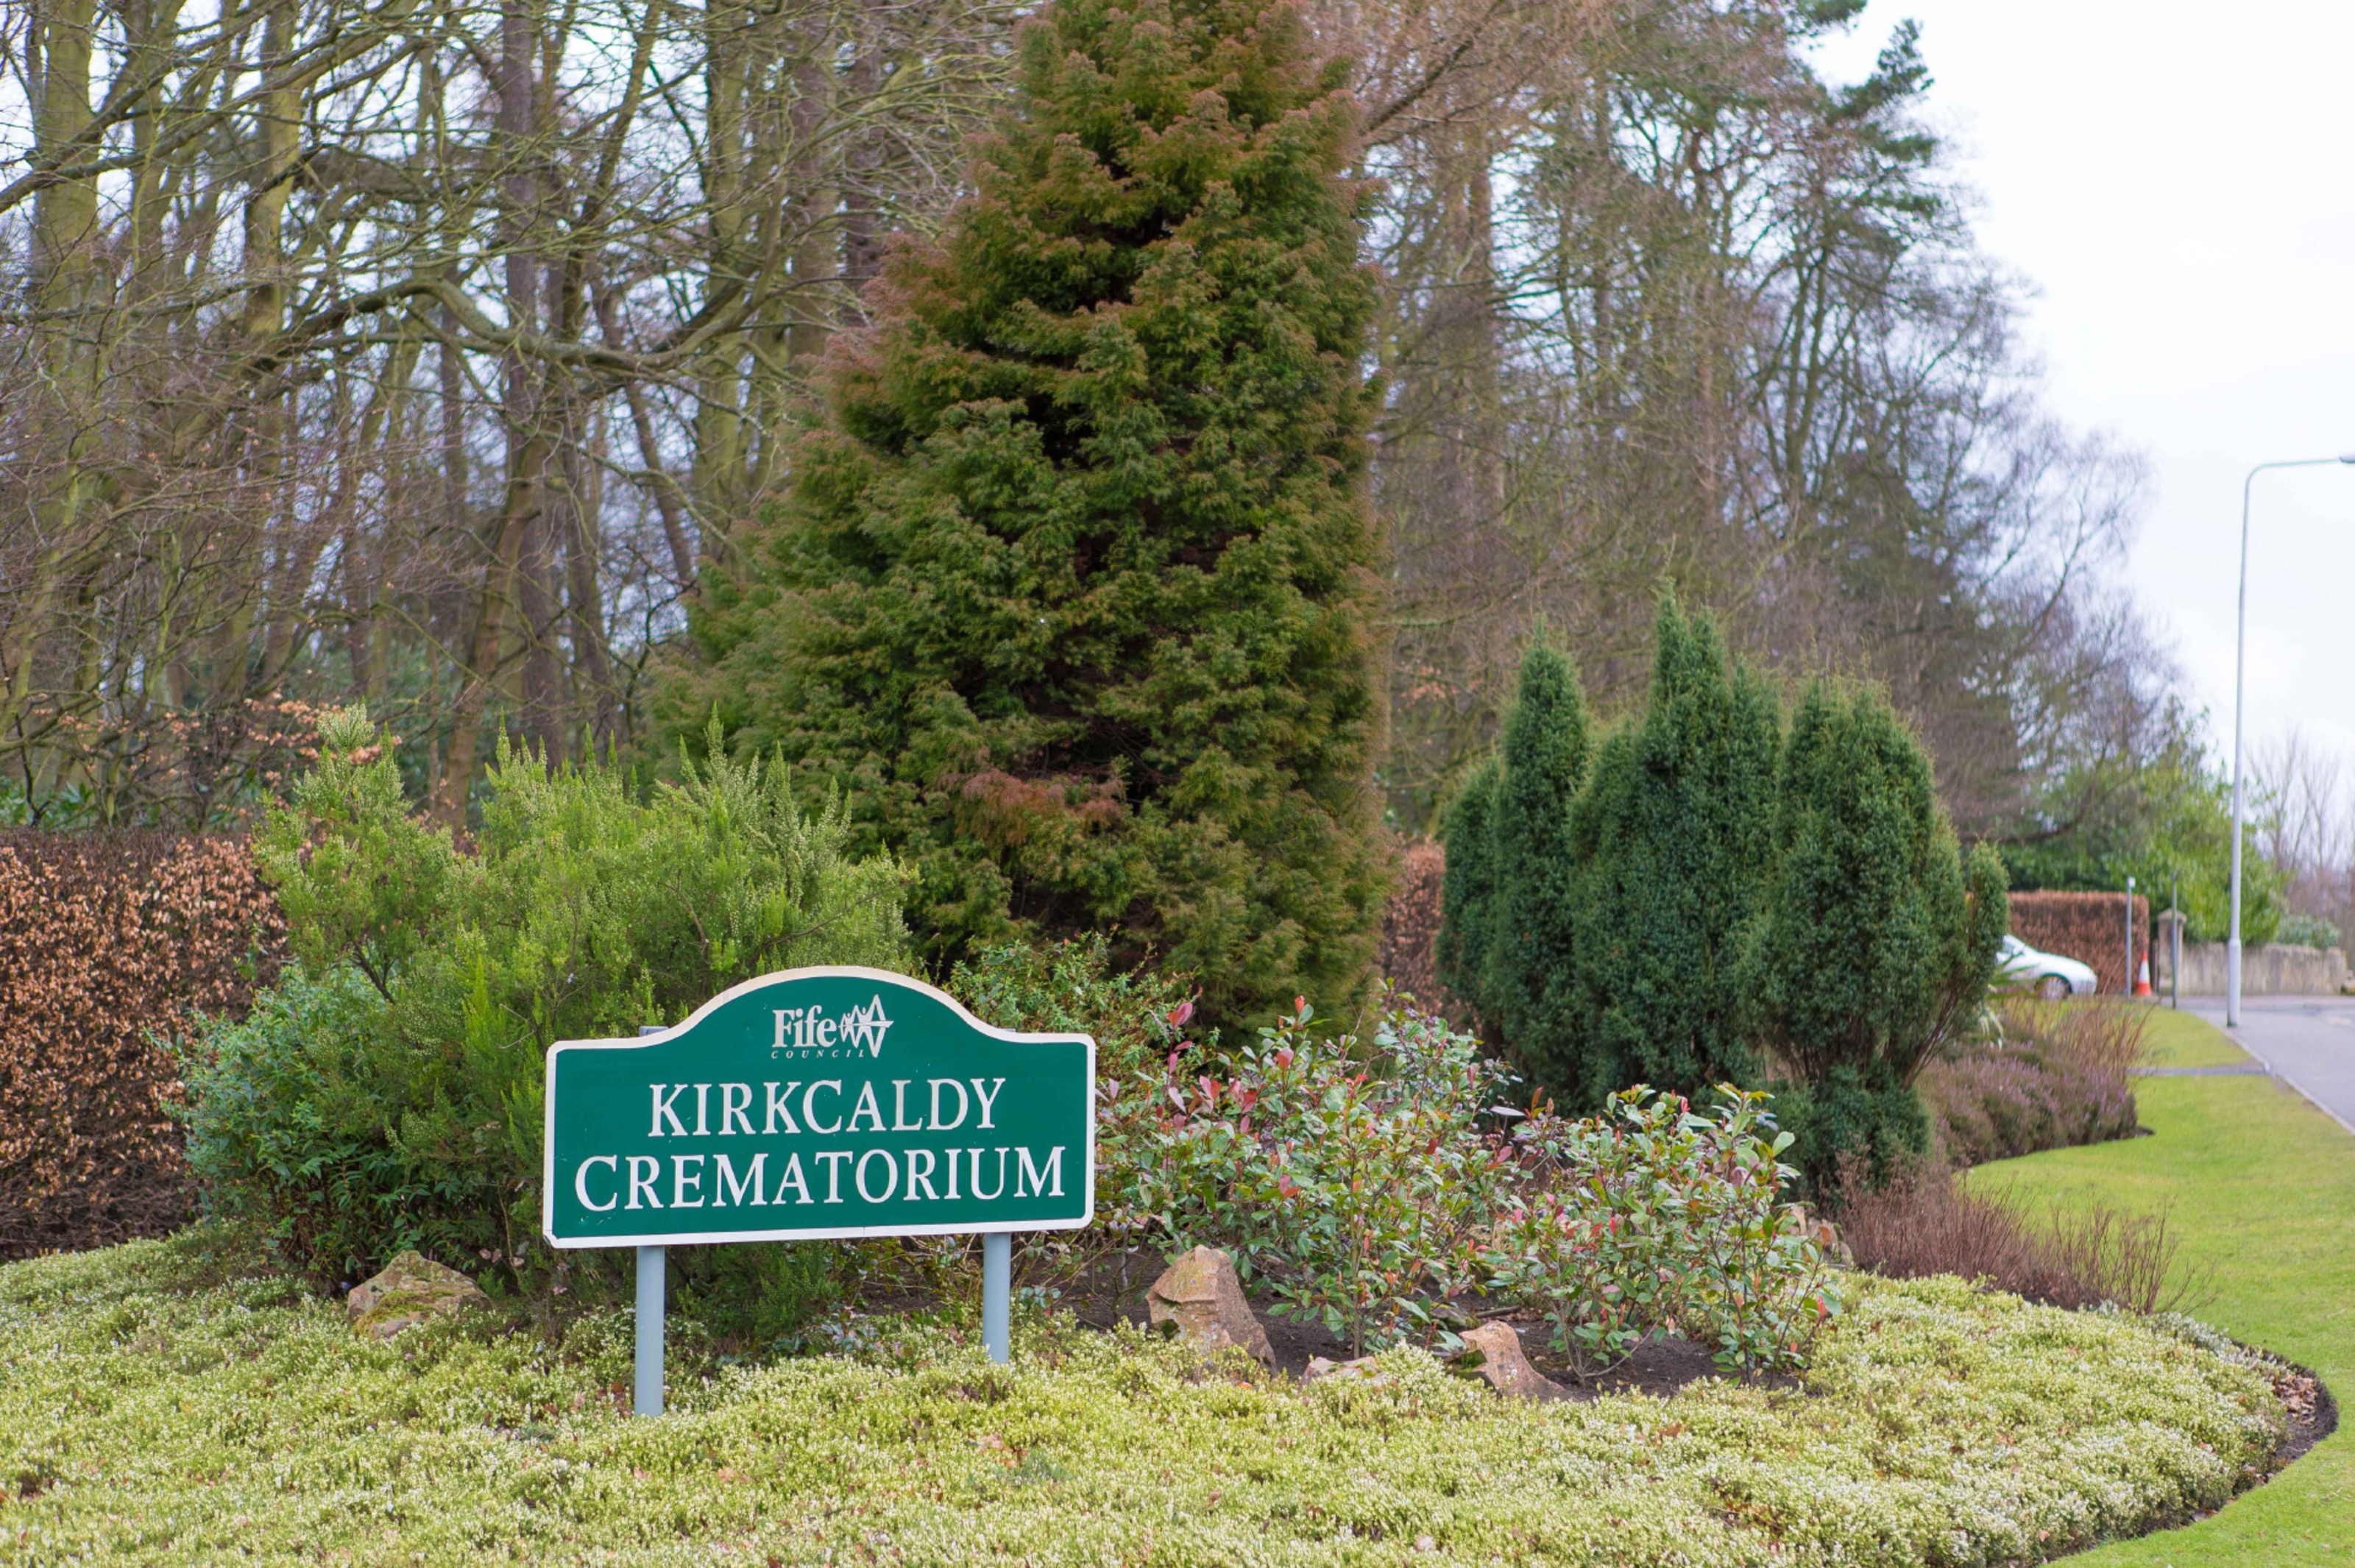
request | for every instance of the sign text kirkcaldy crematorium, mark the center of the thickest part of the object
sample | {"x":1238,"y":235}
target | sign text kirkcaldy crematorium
{"x":818,"y":1103}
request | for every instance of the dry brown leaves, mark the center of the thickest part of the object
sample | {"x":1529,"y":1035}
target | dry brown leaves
{"x":110,"y":946}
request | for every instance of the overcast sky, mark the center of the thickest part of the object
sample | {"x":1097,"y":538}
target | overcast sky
{"x":2178,"y":182}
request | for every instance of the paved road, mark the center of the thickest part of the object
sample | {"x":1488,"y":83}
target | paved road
{"x":2309,"y":1041}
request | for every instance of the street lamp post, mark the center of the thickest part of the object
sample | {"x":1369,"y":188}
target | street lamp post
{"x":2240,"y":681}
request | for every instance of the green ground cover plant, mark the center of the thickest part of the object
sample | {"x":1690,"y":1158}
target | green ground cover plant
{"x":156,"y":1406}
{"x":2259,"y":1186}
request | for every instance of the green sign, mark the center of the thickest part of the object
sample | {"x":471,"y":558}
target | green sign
{"x":818,"y":1103}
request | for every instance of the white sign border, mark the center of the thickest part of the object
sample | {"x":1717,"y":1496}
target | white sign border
{"x":1085,"y":1218}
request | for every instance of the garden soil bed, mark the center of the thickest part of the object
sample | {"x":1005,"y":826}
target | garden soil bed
{"x":1111,"y":1290}
{"x":2312,"y":1409}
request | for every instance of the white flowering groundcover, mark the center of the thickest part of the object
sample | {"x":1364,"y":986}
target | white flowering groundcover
{"x":148,"y":1415}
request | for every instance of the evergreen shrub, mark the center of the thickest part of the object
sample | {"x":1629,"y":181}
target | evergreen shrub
{"x":388,"y":1094}
{"x":1671,"y":843}
{"x":1074,"y":591}
{"x":1878,"y":939}
{"x":1703,"y":902}
{"x":1508,"y":918}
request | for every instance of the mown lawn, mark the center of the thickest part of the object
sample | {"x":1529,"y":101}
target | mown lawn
{"x":2262,"y":1187}
{"x":2184,"y":1040}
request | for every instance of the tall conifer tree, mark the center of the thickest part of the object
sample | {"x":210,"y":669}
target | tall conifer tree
{"x":1673,"y":842}
{"x":1076,"y":584}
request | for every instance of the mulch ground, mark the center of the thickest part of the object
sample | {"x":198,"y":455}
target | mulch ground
{"x":1112,"y":1290}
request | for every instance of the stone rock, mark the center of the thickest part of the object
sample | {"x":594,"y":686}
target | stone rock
{"x":1506,"y":1367}
{"x":1362,"y":1371}
{"x":1201,"y":1298}
{"x":411,"y":1289}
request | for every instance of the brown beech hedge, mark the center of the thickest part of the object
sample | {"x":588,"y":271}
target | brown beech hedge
{"x":1409,"y":946}
{"x":2089,"y":927}
{"x":110,"y":945}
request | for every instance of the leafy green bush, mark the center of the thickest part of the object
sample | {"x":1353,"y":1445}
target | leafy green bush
{"x":1368,"y":1182}
{"x":389,"y":1094}
{"x":288,"y":1129}
{"x":1136,"y":1017}
{"x":1655,"y":1216}
{"x":1357,"y":1181}
{"x":149,"y":1414}
{"x":2305,"y":931}
{"x":1139,"y":1021}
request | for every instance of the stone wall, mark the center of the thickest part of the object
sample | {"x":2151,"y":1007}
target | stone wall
{"x":2269,"y":971}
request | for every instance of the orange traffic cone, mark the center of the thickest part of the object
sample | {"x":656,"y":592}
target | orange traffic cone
{"x":2142,"y":979}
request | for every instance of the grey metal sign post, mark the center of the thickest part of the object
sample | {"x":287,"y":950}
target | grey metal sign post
{"x":646,"y":1398}
{"x":817,"y":1104}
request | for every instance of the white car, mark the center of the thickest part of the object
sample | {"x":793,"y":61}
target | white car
{"x":2021,"y":968}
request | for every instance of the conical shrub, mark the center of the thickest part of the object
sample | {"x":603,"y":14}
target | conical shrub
{"x":1075,"y":591}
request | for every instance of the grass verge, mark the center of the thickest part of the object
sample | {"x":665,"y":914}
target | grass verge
{"x":2259,"y":1187}
{"x":2185,"y":1039}
{"x":146,"y":1416}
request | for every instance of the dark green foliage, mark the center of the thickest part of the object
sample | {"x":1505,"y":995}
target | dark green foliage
{"x":1136,"y":1018}
{"x":1075,"y":587}
{"x":1673,"y":842}
{"x":288,"y":1128}
{"x":1532,"y":925}
{"x":1851,"y":1126}
{"x":1467,"y":894}
{"x":1705,"y":904}
{"x":1879,"y":941}
{"x":389,"y":1094}
{"x":1506,"y":927}
{"x":757,"y":1296}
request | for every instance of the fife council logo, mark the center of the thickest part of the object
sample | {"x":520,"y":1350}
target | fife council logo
{"x":808,"y":1033}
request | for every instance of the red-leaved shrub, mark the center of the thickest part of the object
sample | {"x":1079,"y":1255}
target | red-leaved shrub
{"x":110,"y":944}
